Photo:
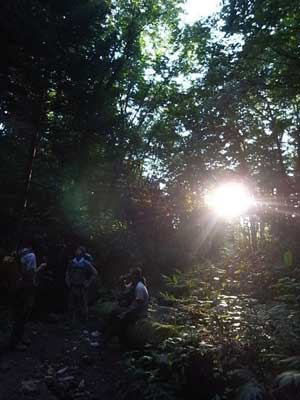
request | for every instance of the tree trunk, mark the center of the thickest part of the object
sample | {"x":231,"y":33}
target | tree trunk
{"x":283,"y":179}
{"x":27,"y":182}
{"x":253,"y":233}
{"x":297,"y":163}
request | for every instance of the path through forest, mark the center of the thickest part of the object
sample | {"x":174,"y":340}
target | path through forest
{"x":61,"y":363}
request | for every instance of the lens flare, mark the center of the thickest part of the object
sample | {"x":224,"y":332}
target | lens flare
{"x":230,"y":200}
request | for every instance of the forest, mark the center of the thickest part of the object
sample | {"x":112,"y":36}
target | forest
{"x":162,"y":144}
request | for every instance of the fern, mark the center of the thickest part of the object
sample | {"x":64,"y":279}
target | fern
{"x":251,"y":391}
{"x":288,"y":379}
{"x":291,"y":362}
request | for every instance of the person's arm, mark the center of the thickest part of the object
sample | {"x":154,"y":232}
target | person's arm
{"x":138,"y":300}
{"x":93,"y":274}
{"x":135,"y":304}
{"x":41,"y":267}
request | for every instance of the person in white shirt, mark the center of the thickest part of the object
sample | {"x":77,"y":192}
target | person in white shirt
{"x":140,"y":302}
{"x":136,"y":309}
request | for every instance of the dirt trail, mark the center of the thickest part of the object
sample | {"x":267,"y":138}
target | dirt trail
{"x":61,"y":363}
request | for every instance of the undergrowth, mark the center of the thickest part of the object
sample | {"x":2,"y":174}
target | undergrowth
{"x":240,"y":338}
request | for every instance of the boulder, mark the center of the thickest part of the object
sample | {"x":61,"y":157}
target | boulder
{"x":149,"y":331}
{"x":106,"y":309}
{"x":142,"y":332}
{"x":30,"y":386}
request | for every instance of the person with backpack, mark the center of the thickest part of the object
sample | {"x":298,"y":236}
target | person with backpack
{"x":80,"y":274}
{"x":23,"y":298}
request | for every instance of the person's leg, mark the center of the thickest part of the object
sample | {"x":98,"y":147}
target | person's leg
{"x":17,"y":325}
{"x":113,"y":324}
{"x":28,"y":308}
{"x":80,"y":306}
{"x":84,"y":305}
{"x":21,"y":312}
{"x":129,"y":320}
{"x":77,"y":305}
{"x":71,"y":306}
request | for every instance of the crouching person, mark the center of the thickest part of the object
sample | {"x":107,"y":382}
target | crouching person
{"x":80,"y":274}
{"x":137,"y":308}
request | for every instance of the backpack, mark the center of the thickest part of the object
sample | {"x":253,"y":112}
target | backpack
{"x":27,"y":263}
{"x":79,"y":272}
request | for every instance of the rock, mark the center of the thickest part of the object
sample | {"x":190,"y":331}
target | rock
{"x":81,"y":384}
{"x":95,"y":334}
{"x":60,"y":389}
{"x":87,"y":360}
{"x":62,"y":371}
{"x":66,"y":378}
{"x":30,"y":386}
{"x":51,"y":397}
{"x":149,"y":331}
{"x":50,"y":371}
{"x":5,"y":366}
{"x":106,"y":309}
{"x":94,"y":344}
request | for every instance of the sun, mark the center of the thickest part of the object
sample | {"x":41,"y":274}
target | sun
{"x":230,"y":200}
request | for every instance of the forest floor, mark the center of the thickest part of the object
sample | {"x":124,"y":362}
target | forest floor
{"x":62,"y":362}
{"x":236,"y":333}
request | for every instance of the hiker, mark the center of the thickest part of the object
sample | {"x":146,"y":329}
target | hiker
{"x":138,"y":307}
{"x":137,"y":297}
{"x":80,"y":274}
{"x":23,"y":297}
{"x":59,"y":260}
{"x":44,"y":283}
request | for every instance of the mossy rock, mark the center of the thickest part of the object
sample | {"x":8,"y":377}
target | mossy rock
{"x":149,"y":331}
{"x":142,"y":332}
{"x":106,"y":309}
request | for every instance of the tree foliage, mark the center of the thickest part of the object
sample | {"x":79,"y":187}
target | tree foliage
{"x":116,"y":120}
